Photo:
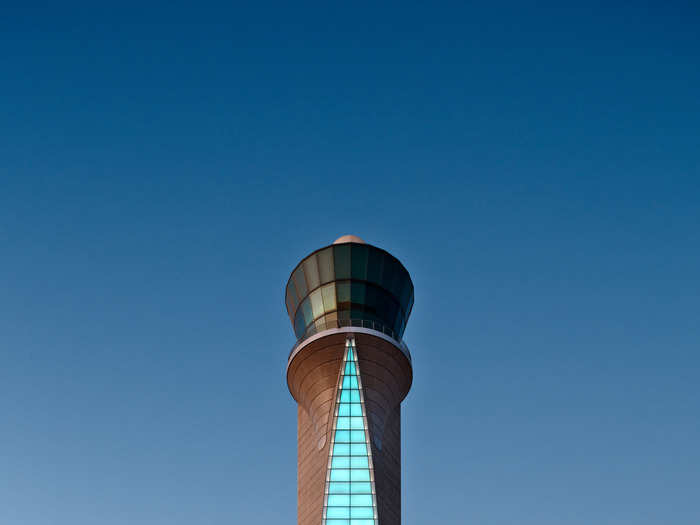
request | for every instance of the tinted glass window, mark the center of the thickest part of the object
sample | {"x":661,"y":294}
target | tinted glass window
{"x":306,"y":309}
{"x":300,"y":282}
{"x":375,"y":261}
{"x":343,"y":292}
{"x":359,"y":261}
{"x":299,"y":324}
{"x":325,"y":265}
{"x":311,"y":272}
{"x":316,"y":303}
{"x":358,"y":292}
{"x":328,"y":292}
{"x":341,"y":259}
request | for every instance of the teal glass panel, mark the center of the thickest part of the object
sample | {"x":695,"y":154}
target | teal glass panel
{"x":360,"y":487}
{"x":358,"y":462}
{"x":339,"y":474}
{"x":361,"y":512}
{"x":343,"y":462}
{"x":358,"y":450}
{"x":339,"y":488}
{"x":338,"y":512}
{"x":356,"y":422}
{"x":350,"y":496}
{"x":357,"y":436}
{"x":342,"y":500}
{"x":341,"y":450}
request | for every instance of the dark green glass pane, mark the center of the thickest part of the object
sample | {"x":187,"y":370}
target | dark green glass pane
{"x":358,"y":293}
{"x":343,"y":292}
{"x":375,"y":261}
{"x":341,"y":260}
{"x":359,"y":261}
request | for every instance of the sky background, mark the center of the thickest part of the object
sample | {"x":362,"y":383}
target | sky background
{"x":163,"y":167}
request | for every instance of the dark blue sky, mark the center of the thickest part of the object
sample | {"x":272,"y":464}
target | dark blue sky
{"x":164,"y":167}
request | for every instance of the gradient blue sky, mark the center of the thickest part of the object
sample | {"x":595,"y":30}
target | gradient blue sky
{"x":163,"y":167}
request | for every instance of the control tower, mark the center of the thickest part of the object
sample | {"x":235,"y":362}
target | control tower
{"x":349,"y":371}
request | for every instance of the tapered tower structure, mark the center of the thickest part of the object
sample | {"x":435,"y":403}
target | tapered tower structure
{"x":349,"y":371}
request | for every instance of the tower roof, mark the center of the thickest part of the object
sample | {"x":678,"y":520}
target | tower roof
{"x":348,"y":238}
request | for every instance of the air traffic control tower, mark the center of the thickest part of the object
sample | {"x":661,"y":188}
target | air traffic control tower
{"x":349,"y":371}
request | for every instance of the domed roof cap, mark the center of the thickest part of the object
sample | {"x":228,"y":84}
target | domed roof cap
{"x":349,"y":238}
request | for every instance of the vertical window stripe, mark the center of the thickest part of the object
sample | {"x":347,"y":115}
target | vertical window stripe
{"x":350,"y":496}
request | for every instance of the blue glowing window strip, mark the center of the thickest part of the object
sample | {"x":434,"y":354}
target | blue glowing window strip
{"x":350,"y":496}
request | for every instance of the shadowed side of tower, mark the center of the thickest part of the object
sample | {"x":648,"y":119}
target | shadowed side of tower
{"x":349,"y":372}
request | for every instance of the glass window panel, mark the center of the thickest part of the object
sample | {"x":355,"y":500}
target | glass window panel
{"x":339,"y":474}
{"x":316,"y":303}
{"x":357,"y":475}
{"x":335,"y":487}
{"x":357,"y":461}
{"x":361,"y":512}
{"x":311,"y":272}
{"x":341,"y":260}
{"x":357,"y":436}
{"x":358,"y":450}
{"x":343,"y":292}
{"x":350,"y":382}
{"x":360,"y":500}
{"x":342,"y":462}
{"x":325,"y":265}
{"x":350,"y":368}
{"x":308,"y":313}
{"x":359,"y":261}
{"x":300,"y":282}
{"x":349,"y":464}
{"x":299,"y":324}
{"x":328,"y":292}
{"x":342,"y":436}
{"x":340,"y":449}
{"x":338,"y":512}
{"x":357,"y":293}
{"x":343,"y":500}
{"x":375,"y":259}
{"x":292,"y":293}
{"x":356,"y":422}
{"x":349,"y":522}
{"x":360,"y":487}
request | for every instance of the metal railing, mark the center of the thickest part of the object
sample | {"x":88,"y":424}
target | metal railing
{"x":322,"y":325}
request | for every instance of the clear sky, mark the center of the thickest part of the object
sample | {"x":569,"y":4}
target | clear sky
{"x":164,"y":167}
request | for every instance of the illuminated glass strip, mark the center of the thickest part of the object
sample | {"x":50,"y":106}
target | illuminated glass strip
{"x":350,"y":497}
